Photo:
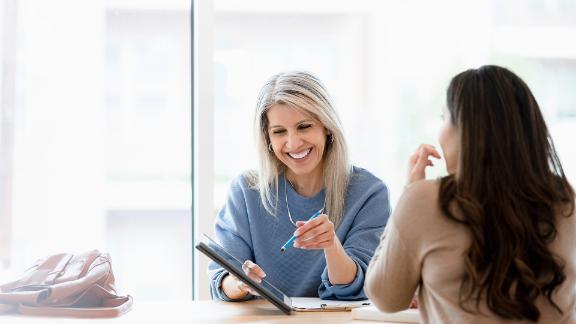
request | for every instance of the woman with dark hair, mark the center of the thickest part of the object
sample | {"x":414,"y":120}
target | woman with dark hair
{"x":495,"y":240}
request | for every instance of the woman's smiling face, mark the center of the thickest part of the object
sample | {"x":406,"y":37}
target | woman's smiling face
{"x":298,"y":140}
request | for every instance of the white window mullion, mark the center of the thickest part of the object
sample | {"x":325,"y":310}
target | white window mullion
{"x":203,"y":130}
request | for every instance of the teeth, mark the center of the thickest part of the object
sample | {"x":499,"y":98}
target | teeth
{"x":300,"y":155}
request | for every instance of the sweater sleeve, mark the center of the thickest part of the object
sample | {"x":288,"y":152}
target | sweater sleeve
{"x":394,"y":273}
{"x":373,"y":210}
{"x":233,"y":233}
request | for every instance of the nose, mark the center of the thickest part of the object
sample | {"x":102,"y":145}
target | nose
{"x":293,"y":141}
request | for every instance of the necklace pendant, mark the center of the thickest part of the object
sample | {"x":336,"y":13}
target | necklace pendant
{"x":321,"y":210}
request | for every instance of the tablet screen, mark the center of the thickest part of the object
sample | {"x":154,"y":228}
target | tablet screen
{"x":217,"y":253}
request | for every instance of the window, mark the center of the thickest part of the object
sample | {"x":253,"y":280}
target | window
{"x":387,"y":65}
{"x":96,"y":130}
{"x":95,"y":123}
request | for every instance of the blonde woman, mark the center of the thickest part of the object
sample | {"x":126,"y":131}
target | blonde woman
{"x":304,"y":170}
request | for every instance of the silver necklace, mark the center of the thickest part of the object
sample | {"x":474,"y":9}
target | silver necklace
{"x":288,"y":207}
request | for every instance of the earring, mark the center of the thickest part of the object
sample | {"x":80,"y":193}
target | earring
{"x":270,"y":147}
{"x":331,"y":137}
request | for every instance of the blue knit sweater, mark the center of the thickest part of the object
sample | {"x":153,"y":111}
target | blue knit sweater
{"x":249,"y":232}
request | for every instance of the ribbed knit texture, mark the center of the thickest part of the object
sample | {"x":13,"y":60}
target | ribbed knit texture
{"x":249,"y":232}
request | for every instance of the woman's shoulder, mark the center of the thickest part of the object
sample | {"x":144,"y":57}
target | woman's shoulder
{"x":245,"y":181}
{"x":418,"y":208}
{"x":422,"y":190}
{"x":418,"y":201}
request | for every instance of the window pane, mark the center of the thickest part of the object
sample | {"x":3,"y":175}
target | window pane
{"x":387,"y":64}
{"x":101,"y":149}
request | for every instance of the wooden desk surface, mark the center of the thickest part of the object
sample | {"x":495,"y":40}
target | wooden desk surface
{"x":200,"y":312}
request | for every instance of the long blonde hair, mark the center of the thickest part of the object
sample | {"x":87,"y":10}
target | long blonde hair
{"x":303,"y":91}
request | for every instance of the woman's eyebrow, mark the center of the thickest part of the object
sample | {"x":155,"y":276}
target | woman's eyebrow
{"x":309,"y":120}
{"x":297,"y":123}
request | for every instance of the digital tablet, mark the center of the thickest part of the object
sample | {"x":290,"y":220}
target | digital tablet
{"x":266,"y":290}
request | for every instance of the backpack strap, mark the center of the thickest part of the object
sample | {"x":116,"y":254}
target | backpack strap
{"x":55,"y":266}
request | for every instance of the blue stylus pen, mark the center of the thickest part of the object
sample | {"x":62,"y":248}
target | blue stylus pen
{"x":291,"y":240}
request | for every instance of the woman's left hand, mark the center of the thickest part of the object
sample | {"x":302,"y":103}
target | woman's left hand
{"x":419,"y":161}
{"x":317,"y":233}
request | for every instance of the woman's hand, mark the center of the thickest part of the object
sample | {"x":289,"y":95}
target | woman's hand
{"x":419,"y":161}
{"x":235,"y":288}
{"x":317,"y":233}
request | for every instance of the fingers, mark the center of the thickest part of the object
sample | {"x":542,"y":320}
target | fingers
{"x":315,"y":234}
{"x":423,"y":152}
{"x":432,"y":150}
{"x":320,"y":241}
{"x":319,"y":245}
{"x":419,"y":161}
{"x":253,"y":271}
{"x":240,"y":288}
{"x":245,"y":288}
{"x":311,"y":224}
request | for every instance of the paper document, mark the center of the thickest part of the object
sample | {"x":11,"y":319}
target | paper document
{"x":371,"y":313}
{"x":310,"y":304}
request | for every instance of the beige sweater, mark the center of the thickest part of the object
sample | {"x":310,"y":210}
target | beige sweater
{"x":422,"y":248}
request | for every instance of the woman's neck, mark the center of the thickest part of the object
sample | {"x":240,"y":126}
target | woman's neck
{"x":306,"y":185}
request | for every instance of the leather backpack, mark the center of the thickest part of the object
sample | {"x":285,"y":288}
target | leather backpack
{"x":65,"y":284}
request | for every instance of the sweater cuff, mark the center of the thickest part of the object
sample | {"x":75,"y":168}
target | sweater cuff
{"x":351,"y":291}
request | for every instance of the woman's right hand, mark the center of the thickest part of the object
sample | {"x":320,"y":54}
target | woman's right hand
{"x":235,"y":288}
{"x":419,"y":162}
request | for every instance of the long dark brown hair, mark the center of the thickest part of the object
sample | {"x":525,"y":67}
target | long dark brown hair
{"x":508,"y":190}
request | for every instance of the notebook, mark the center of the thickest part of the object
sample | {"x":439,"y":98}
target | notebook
{"x":310,"y":304}
{"x":370,"y":313}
